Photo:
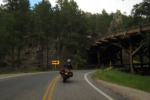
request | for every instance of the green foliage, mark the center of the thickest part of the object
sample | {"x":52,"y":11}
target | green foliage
{"x":42,"y":18}
{"x":99,"y":23}
{"x":102,"y":67}
{"x":74,"y":25}
{"x":78,"y":59}
{"x":2,"y":35}
{"x":7,"y":33}
{"x":63,"y":24}
{"x":124,"y":79}
{"x":127,"y":21}
{"x":15,"y":20}
{"x":141,"y":13}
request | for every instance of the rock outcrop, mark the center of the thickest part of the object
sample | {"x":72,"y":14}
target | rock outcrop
{"x":116,"y":22}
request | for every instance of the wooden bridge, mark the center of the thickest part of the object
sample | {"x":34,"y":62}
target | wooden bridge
{"x":128,"y":42}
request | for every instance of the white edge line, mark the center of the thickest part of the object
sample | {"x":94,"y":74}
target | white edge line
{"x":85,"y":77}
{"x":22,"y":75}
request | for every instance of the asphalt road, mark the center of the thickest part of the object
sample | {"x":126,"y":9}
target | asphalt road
{"x":49,"y":86}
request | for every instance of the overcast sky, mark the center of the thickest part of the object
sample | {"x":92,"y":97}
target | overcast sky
{"x":96,"y":6}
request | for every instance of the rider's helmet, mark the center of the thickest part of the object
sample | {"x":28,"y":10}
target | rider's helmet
{"x":69,"y":60}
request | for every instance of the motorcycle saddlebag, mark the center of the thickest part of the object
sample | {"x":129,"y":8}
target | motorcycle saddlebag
{"x":61,"y":71}
{"x":70,"y":74}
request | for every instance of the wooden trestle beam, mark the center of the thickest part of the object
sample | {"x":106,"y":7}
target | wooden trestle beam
{"x":98,"y":56}
{"x":137,"y":50}
{"x":131,"y":59}
{"x":103,"y":50}
{"x":119,"y":45}
{"x":126,"y":32}
{"x":104,"y":43}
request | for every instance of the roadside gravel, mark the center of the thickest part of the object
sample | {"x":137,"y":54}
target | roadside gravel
{"x":132,"y":94}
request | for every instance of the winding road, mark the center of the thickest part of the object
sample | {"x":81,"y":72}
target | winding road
{"x":49,"y":86}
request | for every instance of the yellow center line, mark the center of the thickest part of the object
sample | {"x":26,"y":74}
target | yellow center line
{"x":51,"y":92}
{"x":45,"y":95}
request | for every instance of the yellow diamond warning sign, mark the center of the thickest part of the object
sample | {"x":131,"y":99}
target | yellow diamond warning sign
{"x":55,"y":62}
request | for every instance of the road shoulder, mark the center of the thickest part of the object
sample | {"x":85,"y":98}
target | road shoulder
{"x":126,"y":92}
{"x":109,"y":92}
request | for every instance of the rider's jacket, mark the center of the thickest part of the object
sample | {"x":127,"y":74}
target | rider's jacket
{"x":68,"y":65}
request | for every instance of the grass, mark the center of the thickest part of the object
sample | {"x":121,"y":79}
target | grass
{"x":136,"y":61}
{"x":124,"y":79}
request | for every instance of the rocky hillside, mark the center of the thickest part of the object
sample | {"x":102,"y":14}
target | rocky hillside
{"x":116,"y":22}
{"x":30,"y":58}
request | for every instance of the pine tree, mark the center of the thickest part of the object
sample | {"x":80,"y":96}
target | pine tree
{"x":59,"y":32}
{"x":58,"y":28}
{"x":22,"y":20}
{"x":3,"y":36}
{"x":75,"y":27}
{"x":11,"y":29}
{"x":42,"y":12}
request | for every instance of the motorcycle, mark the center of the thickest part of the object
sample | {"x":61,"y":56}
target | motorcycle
{"x":66,"y":74}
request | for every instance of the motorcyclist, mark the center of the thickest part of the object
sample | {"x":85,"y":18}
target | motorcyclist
{"x":68,"y":65}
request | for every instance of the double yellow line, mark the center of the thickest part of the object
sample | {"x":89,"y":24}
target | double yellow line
{"x":51,"y":85}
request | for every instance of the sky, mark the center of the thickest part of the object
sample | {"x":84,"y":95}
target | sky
{"x":96,"y":6}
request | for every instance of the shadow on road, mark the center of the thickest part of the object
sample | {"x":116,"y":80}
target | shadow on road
{"x":69,"y":81}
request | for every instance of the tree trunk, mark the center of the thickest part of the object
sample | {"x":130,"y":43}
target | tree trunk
{"x":18,"y":61}
{"x":98,"y":54}
{"x":71,"y":48}
{"x":13,"y":57}
{"x":47,"y":54}
{"x":58,"y":44}
{"x":18,"y":57}
{"x":32,"y":41}
{"x":42,"y":55}
{"x":39,"y":56}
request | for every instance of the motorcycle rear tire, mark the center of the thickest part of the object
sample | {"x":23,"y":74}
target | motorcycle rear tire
{"x":64,"y":78}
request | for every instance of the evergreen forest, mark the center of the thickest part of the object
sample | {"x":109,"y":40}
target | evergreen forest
{"x":43,"y":33}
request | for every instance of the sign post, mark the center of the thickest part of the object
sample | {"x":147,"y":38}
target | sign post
{"x":55,"y":62}
{"x":110,"y":63}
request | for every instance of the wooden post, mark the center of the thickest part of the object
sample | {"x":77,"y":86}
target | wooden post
{"x":149,"y":55}
{"x":141,"y":58}
{"x":98,"y":55}
{"x":120,"y":55}
{"x":131,"y":60}
{"x":110,"y":63}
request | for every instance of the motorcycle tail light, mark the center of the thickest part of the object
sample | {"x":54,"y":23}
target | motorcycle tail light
{"x":66,"y":73}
